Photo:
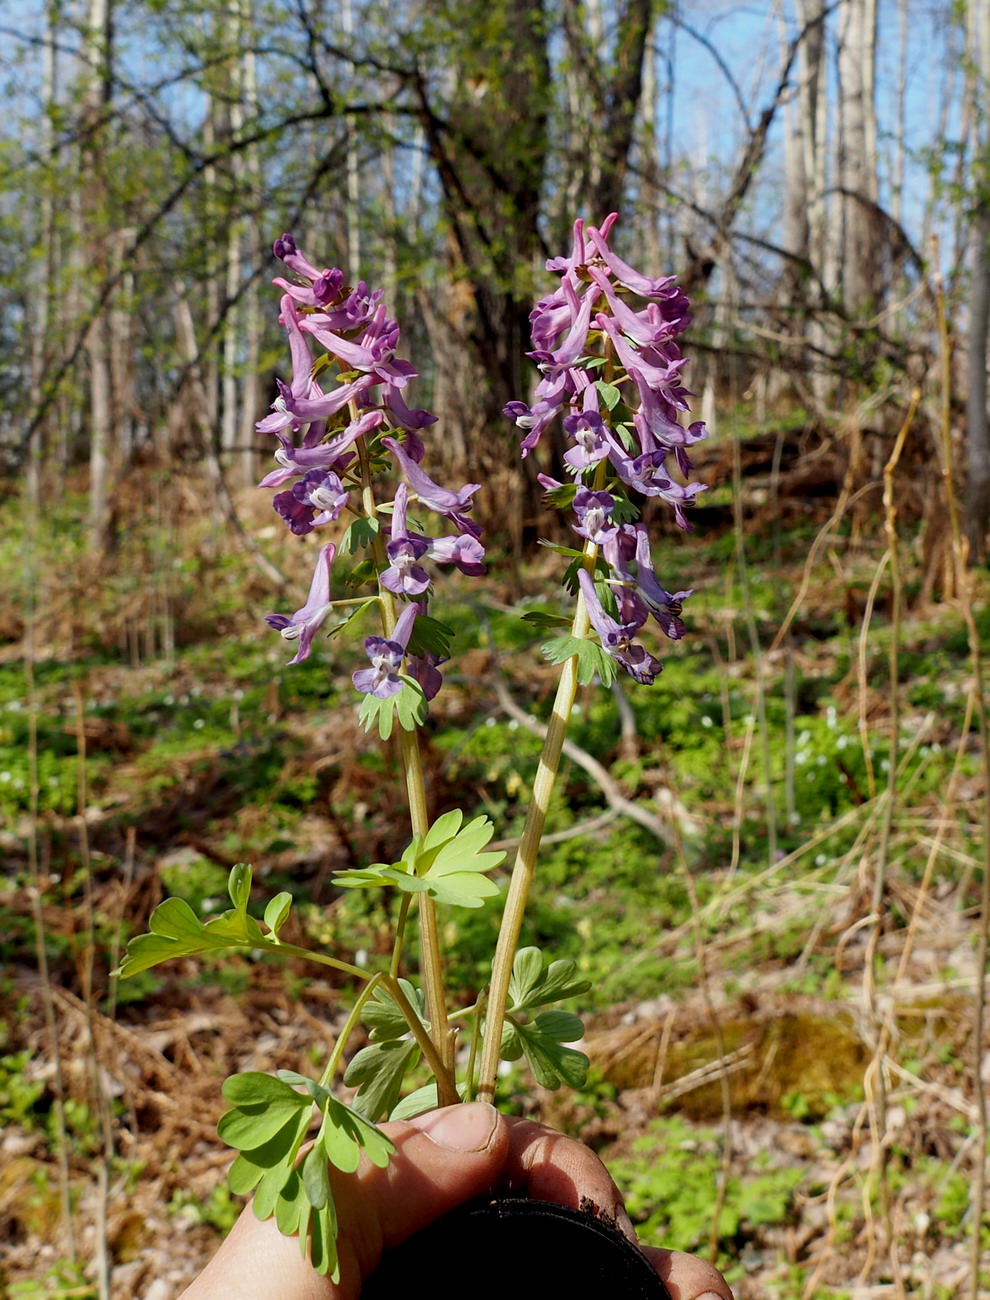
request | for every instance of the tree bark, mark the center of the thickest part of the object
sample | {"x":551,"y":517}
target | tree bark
{"x":977,"y":511}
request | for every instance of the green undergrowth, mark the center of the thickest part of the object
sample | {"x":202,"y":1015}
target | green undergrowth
{"x":226,"y":746}
{"x":668,"y":1181}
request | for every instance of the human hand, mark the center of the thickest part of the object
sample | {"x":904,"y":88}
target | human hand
{"x":443,"y":1159}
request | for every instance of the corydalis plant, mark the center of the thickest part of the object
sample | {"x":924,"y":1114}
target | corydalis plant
{"x":350,"y":447}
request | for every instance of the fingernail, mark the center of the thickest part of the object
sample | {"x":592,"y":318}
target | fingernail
{"x":708,"y":1295}
{"x":467,"y":1127}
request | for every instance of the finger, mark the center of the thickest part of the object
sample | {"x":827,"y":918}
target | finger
{"x":547,"y":1166}
{"x":442,"y":1159}
{"x":686,"y":1276}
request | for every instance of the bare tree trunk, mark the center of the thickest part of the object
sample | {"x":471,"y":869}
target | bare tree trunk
{"x":40,"y":300}
{"x":95,"y":102}
{"x":857,"y":160}
{"x":977,"y":514}
{"x":252,"y":319}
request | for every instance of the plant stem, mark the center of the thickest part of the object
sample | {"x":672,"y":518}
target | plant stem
{"x":431,"y":968}
{"x":525,"y":864}
{"x":348,"y":1029}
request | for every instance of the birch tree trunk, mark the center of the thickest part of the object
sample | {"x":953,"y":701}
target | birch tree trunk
{"x":977,"y":514}
{"x":96,"y":100}
{"x":857,"y":162}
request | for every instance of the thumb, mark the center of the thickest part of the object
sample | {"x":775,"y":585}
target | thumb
{"x":442,"y":1159}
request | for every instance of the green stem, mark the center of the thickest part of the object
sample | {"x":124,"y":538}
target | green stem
{"x":290,"y":950}
{"x":431,"y":967}
{"x":446,"y":1087}
{"x":348,"y":1028}
{"x":524,"y":867}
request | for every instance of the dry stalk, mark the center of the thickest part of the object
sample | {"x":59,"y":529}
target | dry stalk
{"x":38,"y":880}
{"x":875,"y":1079}
{"x":101,"y":1107}
{"x":755,"y":647}
{"x":716,"y":1024}
{"x":964,"y":596}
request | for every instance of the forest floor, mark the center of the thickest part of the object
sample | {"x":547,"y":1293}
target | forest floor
{"x":785,"y":977}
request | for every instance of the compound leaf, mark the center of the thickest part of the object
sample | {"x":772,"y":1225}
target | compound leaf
{"x":377,"y":1071}
{"x":536,"y":983}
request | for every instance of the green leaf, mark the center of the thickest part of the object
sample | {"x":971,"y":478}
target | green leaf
{"x":345,"y":1134}
{"x":377,"y":1071}
{"x":408,"y":705}
{"x":624,"y":511}
{"x":544,"y":619}
{"x":551,"y":1063}
{"x":430,"y":637}
{"x":176,"y":931}
{"x":569,"y":581}
{"x":383,"y":1017}
{"x":377,"y":712}
{"x":448,"y":865}
{"x":561,"y":550}
{"x":609,"y":393}
{"x":561,"y":498}
{"x":316,"y":1176}
{"x":536,"y":983}
{"x":451,"y":861}
{"x":359,"y":536}
{"x":239,"y":886}
{"x":323,"y":1242}
{"x":292,"y":1209}
{"x":356,"y":612}
{"x":364,"y":571}
{"x":277,"y":911}
{"x":263,"y":1106}
{"x":417,"y":1103}
{"x":593,"y":661}
{"x":268,"y":1165}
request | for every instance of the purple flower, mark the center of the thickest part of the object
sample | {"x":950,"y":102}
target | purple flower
{"x":306,"y":622}
{"x":423,"y":669}
{"x":626,"y":275}
{"x":665,"y":606}
{"x":587,"y":428}
{"x":290,"y":411}
{"x":374,"y":353}
{"x":386,"y":655}
{"x":436,"y":498}
{"x":617,"y":638}
{"x":594,"y":512}
{"x":405,"y":575}
{"x":293,"y":461}
{"x":318,"y":498}
{"x":465,"y":551}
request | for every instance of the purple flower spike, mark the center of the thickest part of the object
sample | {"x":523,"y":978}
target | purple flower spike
{"x":386,"y":655}
{"x":306,"y":622}
{"x":436,"y":498}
